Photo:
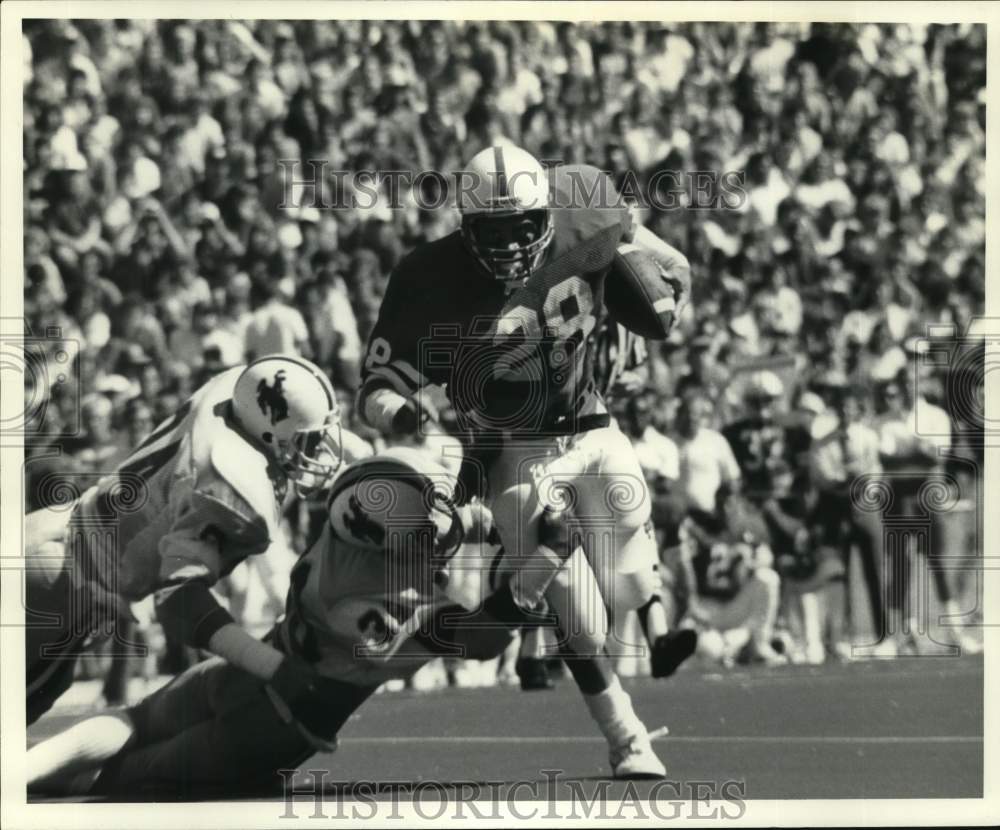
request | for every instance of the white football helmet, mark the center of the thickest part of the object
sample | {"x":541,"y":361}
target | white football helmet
{"x":287,"y":404}
{"x":504,"y":202}
{"x":398,"y":502}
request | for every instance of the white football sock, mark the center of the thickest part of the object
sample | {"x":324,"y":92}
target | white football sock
{"x":612,"y":711}
{"x":88,"y":744}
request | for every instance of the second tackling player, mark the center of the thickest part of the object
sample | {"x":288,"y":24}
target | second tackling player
{"x":398,"y":576}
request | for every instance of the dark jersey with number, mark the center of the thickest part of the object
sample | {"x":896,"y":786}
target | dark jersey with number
{"x":718,"y":551}
{"x":519,"y":362}
{"x":764,"y":456}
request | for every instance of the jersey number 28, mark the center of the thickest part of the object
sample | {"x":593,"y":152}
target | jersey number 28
{"x":568,"y":314}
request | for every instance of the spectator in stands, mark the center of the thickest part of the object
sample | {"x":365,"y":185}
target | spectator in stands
{"x":277,"y":326}
{"x":97,"y":444}
{"x":707,"y":463}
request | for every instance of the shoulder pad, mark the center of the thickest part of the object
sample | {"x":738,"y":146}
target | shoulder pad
{"x":589,"y":217}
{"x":223,"y":515}
{"x":428,"y":259}
{"x":239,"y":479}
{"x":574,"y":185}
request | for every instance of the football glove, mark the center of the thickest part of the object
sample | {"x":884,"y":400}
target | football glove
{"x":678,"y":277}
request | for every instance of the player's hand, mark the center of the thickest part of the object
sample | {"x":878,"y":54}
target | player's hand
{"x":294,"y":681}
{"x":678,"y":277}
{"x":411,"y":417}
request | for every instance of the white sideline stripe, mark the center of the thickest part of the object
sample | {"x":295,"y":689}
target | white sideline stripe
{"x":687,"y":739}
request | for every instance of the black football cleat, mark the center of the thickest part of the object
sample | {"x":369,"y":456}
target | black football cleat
{"x":533,"y":674}
{"x":672,"y":649}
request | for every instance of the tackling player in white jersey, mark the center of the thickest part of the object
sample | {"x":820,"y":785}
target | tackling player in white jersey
{"x":399,"y":575}
{"x":202,"y":493}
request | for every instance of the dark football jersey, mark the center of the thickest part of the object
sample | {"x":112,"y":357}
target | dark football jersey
{"x":520,"y":362}
{"x":796,"y":546}
{"x":763,"y":454}
{"x":718,"y":550}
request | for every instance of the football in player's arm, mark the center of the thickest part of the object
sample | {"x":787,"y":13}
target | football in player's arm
{"x":202,"y":493}
{"x":382,"y":591}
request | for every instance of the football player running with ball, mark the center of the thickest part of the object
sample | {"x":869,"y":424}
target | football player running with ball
{"x":203,"y":492}
{"x":502,"y":314}
{"x":397,"y":577}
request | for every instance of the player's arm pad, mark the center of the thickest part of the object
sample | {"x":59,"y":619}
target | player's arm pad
{"x":379,"y":405}
{"x":189,"y":613}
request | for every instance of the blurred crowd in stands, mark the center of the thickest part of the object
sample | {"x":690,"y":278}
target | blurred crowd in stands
{"x":160,"y":244}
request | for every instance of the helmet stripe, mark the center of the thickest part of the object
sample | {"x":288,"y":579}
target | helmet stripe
{"x":501,"y":172}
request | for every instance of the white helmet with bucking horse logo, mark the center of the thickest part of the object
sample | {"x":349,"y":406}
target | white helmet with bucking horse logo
{"x":288,"y":404}
{"x":398,"y":502}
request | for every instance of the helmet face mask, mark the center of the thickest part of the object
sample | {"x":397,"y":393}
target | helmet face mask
{"x":449,"y":527}
{"x":509,"y":245}
{"x":313,"y":456}
{"x":286,"y":406}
